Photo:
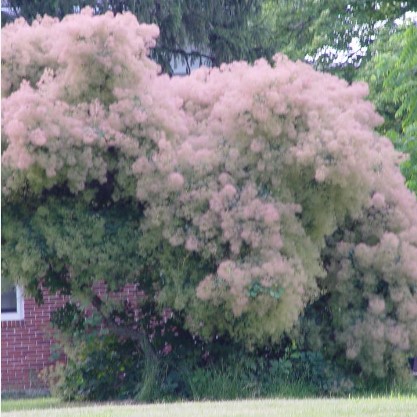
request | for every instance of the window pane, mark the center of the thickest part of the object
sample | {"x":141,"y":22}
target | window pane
{"x":9,"y":301}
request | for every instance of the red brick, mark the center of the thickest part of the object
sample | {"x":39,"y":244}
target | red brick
{"x":26,"y":344}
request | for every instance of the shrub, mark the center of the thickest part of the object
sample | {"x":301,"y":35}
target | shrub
{"x":103,"y":369}
{"x":233,"y":198}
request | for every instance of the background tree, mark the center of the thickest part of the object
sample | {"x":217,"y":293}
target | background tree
{"x":325,"y":30}
{"x":200,"y":32}
{"x":191,"y":32}
{"x":391,"y":75}
{"x":29,"y":9}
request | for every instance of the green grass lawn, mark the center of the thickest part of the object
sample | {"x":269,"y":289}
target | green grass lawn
{"x":363,"y":407}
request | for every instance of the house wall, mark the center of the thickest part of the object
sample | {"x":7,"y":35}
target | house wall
{"x":26,"y":345}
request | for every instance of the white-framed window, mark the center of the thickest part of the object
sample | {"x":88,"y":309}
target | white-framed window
{"x":12,"y":304}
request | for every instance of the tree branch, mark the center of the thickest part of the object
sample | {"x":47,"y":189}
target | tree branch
{"x":184,"y":52}
{"x":138,"y":335}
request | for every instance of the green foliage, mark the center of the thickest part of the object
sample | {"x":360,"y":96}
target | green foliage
{"x":226,"y":374}
{"x":324,"y":30}
{"x":101,"y":367}
{"x":63,"y":237}
{"x":191,"y":32}
{"x":29,"y":9}
{"x":105,"y":368}
{"x":391,"y":75}
{"x":256,"y":288}
{"x":291,"y":373}
{"x":208,"y":33}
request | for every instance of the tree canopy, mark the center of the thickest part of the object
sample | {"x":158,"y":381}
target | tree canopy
{"x":391,"y":75}
{"x":191,"y":32}
{"x":334,"y":35}
{"x":325,"y":30}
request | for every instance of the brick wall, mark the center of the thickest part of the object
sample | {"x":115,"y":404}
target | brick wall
{"x":26,"y":345}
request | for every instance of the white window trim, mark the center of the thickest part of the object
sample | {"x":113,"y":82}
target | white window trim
{"x":20,"y":313}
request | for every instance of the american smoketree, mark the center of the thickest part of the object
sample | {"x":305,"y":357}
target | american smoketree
{"x":236,"y":197}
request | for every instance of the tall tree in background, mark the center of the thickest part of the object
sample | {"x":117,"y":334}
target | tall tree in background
{"x":324,"y":29}
{"x":191,"y":31}
{"x":208,"y":32}
{"x":29,"y":9}
{"x":212,"y":32}
{"x":392,"y":78}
